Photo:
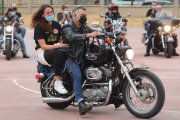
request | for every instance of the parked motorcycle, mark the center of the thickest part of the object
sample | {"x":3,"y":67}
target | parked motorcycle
{"x":163,"y":36}
{"x":109,"y":77}
{"x":9,"y":46}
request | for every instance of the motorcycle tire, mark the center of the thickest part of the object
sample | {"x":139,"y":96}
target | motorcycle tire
{"x":151,"y":92}
{"x":50,"y":93}
{"x":13,"y":54}
{"x":8,"y":50}
{"x":169,"y":50}
{"x":155,"y":51}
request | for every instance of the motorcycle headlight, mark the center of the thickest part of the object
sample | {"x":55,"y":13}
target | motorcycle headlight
{"x":9,"y":29}
{"x":167,"y":28}
{"x":129,"y":54}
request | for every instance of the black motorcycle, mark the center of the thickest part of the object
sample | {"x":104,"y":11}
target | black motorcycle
{"x":163,"y":37}
{"x":9,"y":45}
{"x":108,"y":78}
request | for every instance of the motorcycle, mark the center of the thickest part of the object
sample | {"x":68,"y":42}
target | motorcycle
{"x":117,"y":30}
{"x":117,"y":26}
{"x":109,"y":77}
{"x":9,"y":46}
{"x":163,"y":35}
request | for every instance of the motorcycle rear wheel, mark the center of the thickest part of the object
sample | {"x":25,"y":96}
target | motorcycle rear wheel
{"x":50,"y":92}
{"x":152,"y":94}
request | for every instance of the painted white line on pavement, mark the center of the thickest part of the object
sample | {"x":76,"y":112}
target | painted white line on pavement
{"x":163,"y":110}
{"x":31,"y":79}
{"x":171,"y":111}
{"x":163,"y":77}
{"x":10,"y":79}
{"x":16,"y":83}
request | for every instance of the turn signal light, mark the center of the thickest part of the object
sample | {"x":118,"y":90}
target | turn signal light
{"x":39,"y":75}
{"x":108,"y":40}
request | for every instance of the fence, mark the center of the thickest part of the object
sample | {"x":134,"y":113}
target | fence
{"x":8,"y":3}
{"x":30,"y":6}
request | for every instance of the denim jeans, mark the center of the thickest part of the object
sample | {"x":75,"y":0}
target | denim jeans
{"x":1,"y":38}
{"x":21,"y":41}
{"x":22,"y":31}
{"x":126,"y":42}
{"x":74,"y":70}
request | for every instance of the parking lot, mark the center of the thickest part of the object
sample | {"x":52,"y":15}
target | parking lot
{"x":20,"y":98}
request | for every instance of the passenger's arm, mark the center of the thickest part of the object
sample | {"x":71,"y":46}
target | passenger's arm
{"x":45,"y":47}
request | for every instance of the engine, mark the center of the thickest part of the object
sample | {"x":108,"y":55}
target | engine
{"x":97,"y":74}
{"x":96,"y":86}
{"x":96,"y":94}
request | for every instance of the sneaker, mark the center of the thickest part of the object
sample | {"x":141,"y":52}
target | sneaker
{"x":146,"y":55}
{"x":175,"y":54}
{"x":146,"y":41}
{"x":59,"y":87}
{"x":25,"y":56}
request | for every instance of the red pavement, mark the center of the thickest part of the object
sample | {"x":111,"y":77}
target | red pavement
{"x":20,"y":98}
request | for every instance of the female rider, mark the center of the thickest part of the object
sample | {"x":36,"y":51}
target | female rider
{"x":47,"y":35}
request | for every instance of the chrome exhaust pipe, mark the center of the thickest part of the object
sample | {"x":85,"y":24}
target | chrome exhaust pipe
{"x":57,"y":100}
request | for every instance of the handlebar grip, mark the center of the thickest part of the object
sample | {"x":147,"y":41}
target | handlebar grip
{"x":100,"y":36}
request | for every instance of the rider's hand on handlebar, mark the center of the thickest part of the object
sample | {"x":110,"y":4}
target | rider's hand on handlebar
{"x":93,"y":34}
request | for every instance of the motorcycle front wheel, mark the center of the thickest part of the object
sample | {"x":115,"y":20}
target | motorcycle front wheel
{"x":8,"y":50}
{"x":169,"y":50}
{"x":47,"y":90}
{"x":152,"y":94}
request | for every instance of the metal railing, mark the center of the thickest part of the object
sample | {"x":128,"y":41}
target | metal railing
{"x":8,"y":3}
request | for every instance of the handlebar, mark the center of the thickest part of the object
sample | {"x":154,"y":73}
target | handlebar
{"x":8,"y":23}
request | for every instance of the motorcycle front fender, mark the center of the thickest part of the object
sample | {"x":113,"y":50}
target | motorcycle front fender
{"x":169,"y":39}
{"x":136,"y":69}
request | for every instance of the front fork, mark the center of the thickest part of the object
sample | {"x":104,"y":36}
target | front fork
{"x":126,"y":72}
{"x":167,"y":38}
{"x":8,"y":36}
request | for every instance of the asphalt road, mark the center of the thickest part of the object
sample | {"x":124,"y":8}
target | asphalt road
{"x":20,"y":98}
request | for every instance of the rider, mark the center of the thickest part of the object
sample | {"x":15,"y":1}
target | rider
{"x":10,"y":16}
{"x":47,"y":38}
{"x":64,"y":16}
{"x":76,"y":34}
{"x":22,"y":30}
{"x":115,"y":15}
{"x":149,"y":45}
{"x":150,"y":14}
{"x":152,"y":11}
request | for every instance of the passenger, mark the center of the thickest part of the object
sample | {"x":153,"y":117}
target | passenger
{"x":47,"y":38}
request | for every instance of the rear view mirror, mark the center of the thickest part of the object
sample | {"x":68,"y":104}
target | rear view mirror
{"x":102,"y":15}
{"x":95,"y":24}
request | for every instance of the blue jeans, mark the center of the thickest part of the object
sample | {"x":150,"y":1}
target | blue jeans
{"x":126,"y":42}
{"x":21,"y":41}
{"x":74,"y":70}
{"x":22,"y":31}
